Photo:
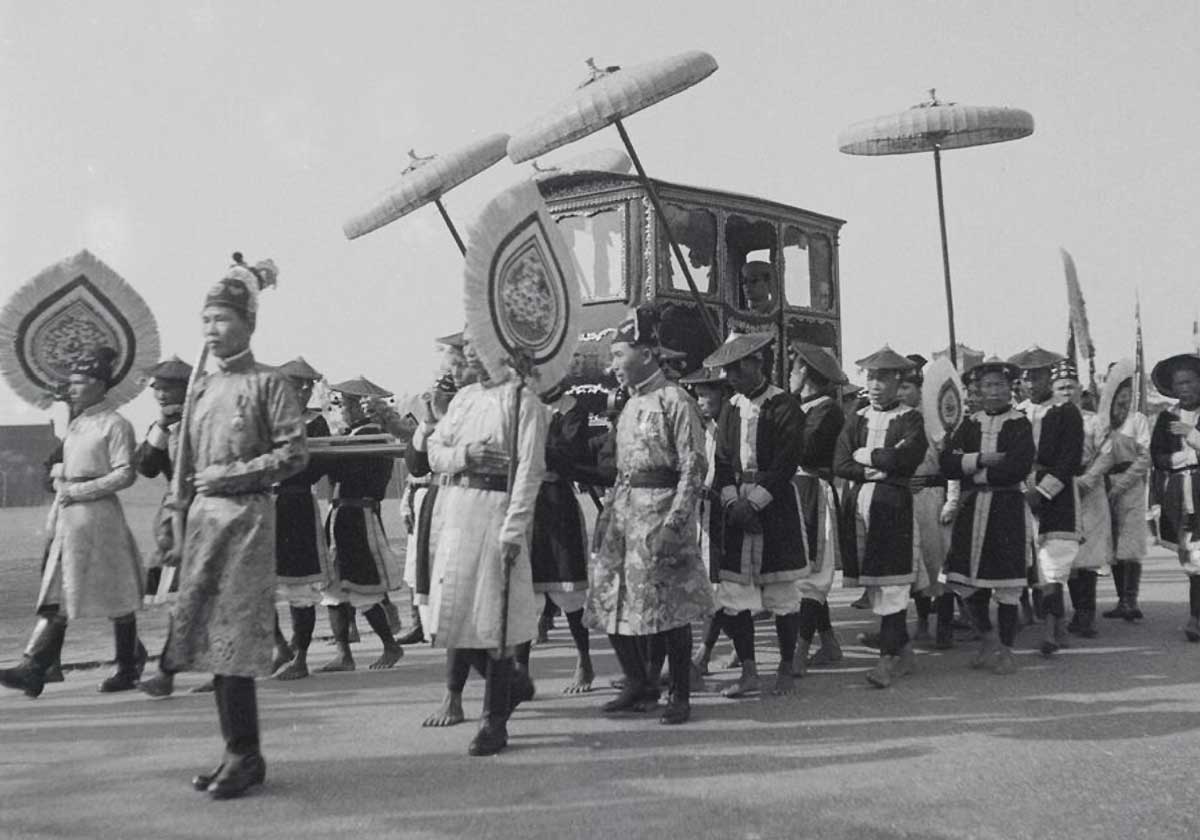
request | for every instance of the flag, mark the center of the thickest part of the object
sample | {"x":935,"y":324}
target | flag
{"x":1079,"y":329}
{"x":1140,"y":397}
{"x":1196,"y":332}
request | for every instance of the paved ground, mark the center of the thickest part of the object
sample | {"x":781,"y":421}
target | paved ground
{"x":1102,"y":741}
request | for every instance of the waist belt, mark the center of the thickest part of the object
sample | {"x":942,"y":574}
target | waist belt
{"x":1120,"y":468}
{"x":365,"y":504}
{"x":82,"y":478}
{"x":292,"y":490}
{"x":1037,"y":468}
{"x":920,"y":482}
{"x":1189,"y":468}
{"x":822,"y":473}
{"x":748,"y":476}
{"x":551,"y":478}
{"x":984,"y":488}
{"x":650,"y":479}
{"x":475,"y":481}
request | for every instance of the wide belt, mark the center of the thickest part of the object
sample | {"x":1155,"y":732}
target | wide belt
{"x":292,"y":490}
{"x":365,"y":504}
{"x":748,"y":476}
{"x":986,"y":488}
{"x":920,"y":482}
{"x":1120,"y":468}
{"x":475,"y":481}
{"x":649,"y":479}
{"x":1189,"y":468}
{"x":551,"y":478}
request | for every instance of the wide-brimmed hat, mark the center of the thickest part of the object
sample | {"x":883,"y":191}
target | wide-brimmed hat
{"x":1164,"y":371}
{"x":738,"y":347}
{"x":819,"y":360}
{"x":993,"y":364}
{"x":299,"y":368}
{"x":1034,"y":358}
{"x":705,"y":376}
{"x":885,"y":358}
{"x":360,"y":387}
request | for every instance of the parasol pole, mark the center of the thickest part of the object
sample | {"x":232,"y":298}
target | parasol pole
{"x":450,"y":224}
{"x":937,"y":171}
{"x":705,"y":315}
{"x":513,"y":450}
{"x":179,"y":480}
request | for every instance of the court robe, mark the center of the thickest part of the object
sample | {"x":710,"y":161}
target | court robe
{"x":360,"y":558}
{"x":558,"y":548}
{"x":246,"y":426}
{"x":1058,"y":434}
{"x":92,"y":553}
{"x":301,"y":554}
{"x":877,"y":509}
{"x":823,"y":421}
{"x":1177,"y":463}
{"x":1095,"y":519}
{"x":1130,"y":450}
{"x":760,"y":440}
{"x":471,"y":523}
{"x":633,"y":592}
{"x":992,"y":541}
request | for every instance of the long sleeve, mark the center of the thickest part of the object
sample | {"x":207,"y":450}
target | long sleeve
{"x":1060,"y":449}
{"x":786,"y":419}
{"x":844,"y":464}
{"x":288,"y":450}
{"x":152,"y":458}
{"x":725,"y":451}
{"x":904,"y":456}
{"x":445,"y":454}
{"x":121,"y":442}
{"x":688,"y":435}
{"x":1019,"y":454}
{"x":416,"y":454}
{"x":1163,"y":444}
{"x":952,"y":461}
{"x":533,"y":421}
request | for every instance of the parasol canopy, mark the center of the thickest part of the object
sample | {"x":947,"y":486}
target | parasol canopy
{"x":933,"y":124}
{"x":521,"y":293}
{"x":942,"y":399}
{"x":602,"y":160}
{"x":425,"y":180}
{"x":609,"y":95}
{"x":68,"y":309}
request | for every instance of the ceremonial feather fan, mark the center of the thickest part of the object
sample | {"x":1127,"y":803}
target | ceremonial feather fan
{"x":68,"y":309}
{"x":521,"y":293}
{"x":943,"y":399}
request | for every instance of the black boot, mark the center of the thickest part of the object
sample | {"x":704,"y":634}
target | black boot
{"x":201,"y":781}
{"x":679,"y":648}
{"x":1133,"y":584}
{"x":1118,"y":576}
{"x":1087,"y":617}
{"x":492,"y":736}
{"x":416,"y":632}
{"x":45,"y":648}
{"x":243,"y":766}
{"x":125,"y":678}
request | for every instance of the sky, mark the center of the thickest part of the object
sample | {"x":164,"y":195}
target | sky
{"x":164,"y":136}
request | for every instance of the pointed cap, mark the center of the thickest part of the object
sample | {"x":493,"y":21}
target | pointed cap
{"x":738,"y":347}
{"x":360,"y":387}
{"x":1034,"y":358}
{"x":885,"y":358}
{"x":298,"y":368}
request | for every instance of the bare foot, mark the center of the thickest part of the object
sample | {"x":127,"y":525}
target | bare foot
{"x":581,"y":682}
{"x":389,"y":657}
{"x":297,"y":669}
{"x":341,"y":662}
{"x":449,"y":713}
{"x":283,"y":656}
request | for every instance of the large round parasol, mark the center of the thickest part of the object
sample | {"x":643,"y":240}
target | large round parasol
{"x":935,"y":126}
{"x":602,"y":160}
{"x":69,"y":309}
{"x":425,"y":180}
{"x":608,"y":96}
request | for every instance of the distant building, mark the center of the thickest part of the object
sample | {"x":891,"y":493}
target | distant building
{"x":967,"y":357}
{"x":23,"y":454}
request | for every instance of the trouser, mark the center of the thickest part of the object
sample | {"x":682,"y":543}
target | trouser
{"x":813,"y":618}
{"x":677,"y":647}
{"x":893,"y":633}
{"x":1006,"y":616}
